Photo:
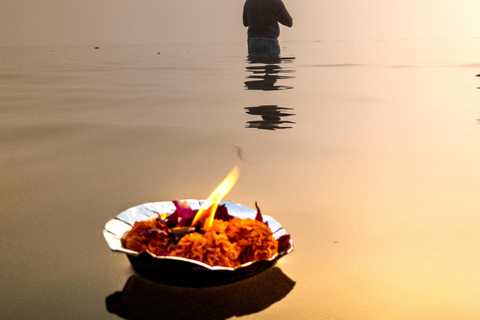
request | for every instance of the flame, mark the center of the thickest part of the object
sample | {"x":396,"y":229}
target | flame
{"x":209,"y":207}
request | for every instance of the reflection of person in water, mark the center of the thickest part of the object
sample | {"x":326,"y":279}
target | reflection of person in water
{"x":262,"y":18}
{"x":266,"y":77}
{"x":271,"y":117}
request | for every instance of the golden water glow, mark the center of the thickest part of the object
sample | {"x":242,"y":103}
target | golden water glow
{"x":208,"y":209}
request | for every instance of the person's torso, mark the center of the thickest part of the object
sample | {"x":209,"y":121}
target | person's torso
{"x":262,"y":16}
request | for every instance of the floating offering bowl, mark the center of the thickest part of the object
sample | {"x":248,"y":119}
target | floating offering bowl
{"x":182,"y":271}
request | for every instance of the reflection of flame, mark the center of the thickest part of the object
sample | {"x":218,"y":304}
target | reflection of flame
{"x":208,"y":209}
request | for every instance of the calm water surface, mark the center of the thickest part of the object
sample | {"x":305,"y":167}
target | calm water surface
{"x":366,"y":152}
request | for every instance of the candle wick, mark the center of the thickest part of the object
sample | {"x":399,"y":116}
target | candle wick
{"x":198,"y":228}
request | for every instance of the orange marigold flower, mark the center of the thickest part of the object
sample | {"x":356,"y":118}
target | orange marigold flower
{"x":254,"y":238}
{"x":151,"y":235}
{"x":212,"y":248}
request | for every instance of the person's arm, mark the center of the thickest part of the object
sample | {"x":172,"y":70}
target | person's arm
{"x":245,"y":20}
{"x":283,"y":16}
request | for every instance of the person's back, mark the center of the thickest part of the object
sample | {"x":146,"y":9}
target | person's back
{"x":262,"y":18}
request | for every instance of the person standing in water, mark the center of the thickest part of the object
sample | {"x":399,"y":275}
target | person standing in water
{"x":262,"y":18}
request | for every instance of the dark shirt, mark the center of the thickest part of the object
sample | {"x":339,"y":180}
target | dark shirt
{"x":262,"y":17}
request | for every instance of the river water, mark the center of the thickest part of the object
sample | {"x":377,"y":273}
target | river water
{"x":366,"y":152}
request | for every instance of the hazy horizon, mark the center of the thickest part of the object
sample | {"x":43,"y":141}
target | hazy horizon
{"x":32,"y":23}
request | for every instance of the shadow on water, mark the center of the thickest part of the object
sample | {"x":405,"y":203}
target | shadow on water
{"x":144,"y":299}
{"x":265,"y":71}
{"x":271,"y":117}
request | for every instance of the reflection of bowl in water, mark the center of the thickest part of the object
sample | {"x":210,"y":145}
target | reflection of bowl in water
{"x":182,"y":271}
{"x":144,"y":299}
